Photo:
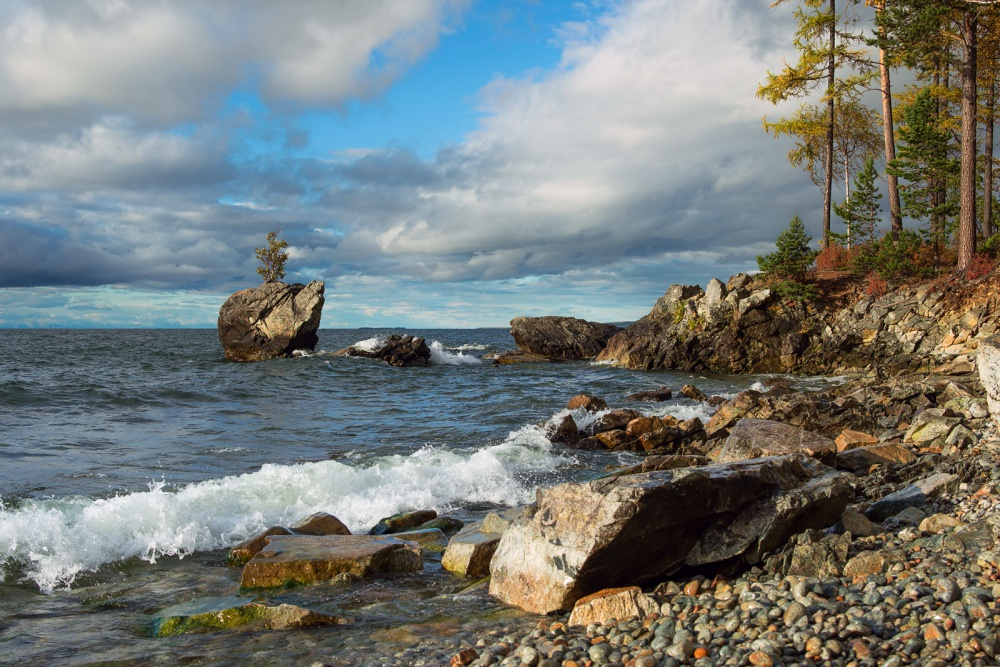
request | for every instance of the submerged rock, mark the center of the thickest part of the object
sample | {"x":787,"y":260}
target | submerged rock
{"x":273,"y":320}
{"x":228,"y":613}
{"x":304,"y":559}
{"x":395,"y":350}
{"x":566,"y":338}
{"x":582,"y":534}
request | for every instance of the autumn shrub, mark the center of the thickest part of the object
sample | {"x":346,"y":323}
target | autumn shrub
{"x":835,"y":257}
{"x":980,"y":265}
{"x":272,"y":258}
{"x":876,"y":285}
{"x":894,"y":260}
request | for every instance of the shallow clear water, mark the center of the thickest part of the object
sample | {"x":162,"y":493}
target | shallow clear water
{"x":130,"y":461}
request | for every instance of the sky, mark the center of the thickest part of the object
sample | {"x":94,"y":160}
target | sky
{"x":438,"y":163}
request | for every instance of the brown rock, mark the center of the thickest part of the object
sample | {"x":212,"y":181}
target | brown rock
{"x":821,"y":558}
{"x":756,"y":438}
{"x":396,"y":350}
{"x":617,"y":603}
{"x":575,"y":542}
{"x":864,"y":458}
{"x":565,"y":432}
{"x":692,"y":392}
{"x":614,"y":419}
{"x":642,"y":425}
{"x":429,"y":539}
{"x":588,"y":403}
{"x":849,"y":439}
{"x":868,"y":563}
{"x":273,"y":320}
{"x":938,"y":523}
{"x":247,"y":549}
{"x":305,"y":559}
{"x":617,"y":439}
{"x":320,"y":523}
{"x":857,"y":524}
{"x":517,"y":357}
{"x":664,"y":462}
{"x":464,"y":657}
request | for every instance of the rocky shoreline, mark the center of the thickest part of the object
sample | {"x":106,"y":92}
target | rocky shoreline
{"x":856,"y":525}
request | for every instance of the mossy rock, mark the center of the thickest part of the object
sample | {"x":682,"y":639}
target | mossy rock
{"x":217,"y":614}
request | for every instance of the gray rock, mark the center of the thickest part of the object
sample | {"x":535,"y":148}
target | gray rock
{"x":631,"y":529}
{"x":756,"y":438}
{"x":565,"y":338}
{"x":988,"y":363}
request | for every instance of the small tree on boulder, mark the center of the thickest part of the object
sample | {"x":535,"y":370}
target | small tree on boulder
{"x":272,"y":258}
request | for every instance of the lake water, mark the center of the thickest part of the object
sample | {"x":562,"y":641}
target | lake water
{"x":130,"y":460}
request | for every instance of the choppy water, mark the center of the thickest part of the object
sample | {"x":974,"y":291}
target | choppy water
{"x":130,"y":461}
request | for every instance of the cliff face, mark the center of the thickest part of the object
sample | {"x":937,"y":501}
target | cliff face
{"x":744,"y":328}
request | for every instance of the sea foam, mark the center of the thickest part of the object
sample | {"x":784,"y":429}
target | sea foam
{"x":441,"y":356}
{"x":53,"y":541}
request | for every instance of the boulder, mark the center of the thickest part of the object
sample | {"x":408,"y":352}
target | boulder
{"x":563,"y":430}
{"x":273,"y":320}
{"x":320,"y":523}
{"x":469,"y":552}
{"x":305,"y":559}
{"x":612,"y":420}
{"x":244,"y":551}
{"x":403,"y":521}
{"x":692,"y":392}
{"x":227,"y":613}
{"x":512,"y":357}
{"x":565,"y":338}
{"x":612,"y":603}
{"x":868,"y":563}
{"x":988,"y":363}
{"x":581,"y":534}
{"x":914,"y":495}
{"x":818,"y":555}
{"x":756,"y":438}
{"x":395,"y":350}
{"x":663,"y":462}
{"x":931,"y":425}
{"x":448,"y":525}
{"x":429,"y":539}
{"x":588,"y":403}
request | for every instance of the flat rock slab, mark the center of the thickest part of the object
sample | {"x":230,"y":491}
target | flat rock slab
{"x":230,"y":613}
{"x":429,"y":539}
{"x":863,"y":458}
{"x":757,"y":438}
{"x":470,"y":551}
{"x":304,"y":559}
{"x":914,"y":495}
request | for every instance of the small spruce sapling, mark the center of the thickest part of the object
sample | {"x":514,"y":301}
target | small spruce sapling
{"x":793,"y":258}
{"x":272,"y":258}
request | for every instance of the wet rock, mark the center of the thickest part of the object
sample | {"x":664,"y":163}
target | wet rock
{"x":247,"y":549}
{"x":516,"y":357}
{"x":756,"y":438}
{"x":448,"y":525}
{"x":664,"y":462}
{"x":429,"y":539}
{"x":305,"y":559}
{"x":470,"y":550}
{"x":402,"y":521}
{"x":642,"y":425}
{"x":588,"y":403}
{"x":653,"y":395}
{"x":581,"y":533}
{"x":612,"y":603}
{"x":692,"y":392}
{"x":229,"y":613}
{"x":617,"y":439}
{"x":320,"y":523}
{"x":273,"y":320}
{"x":396,"y":350}
{"x":565,"y":431}
{"x":613,"y":420}
{"x":565,"y":338}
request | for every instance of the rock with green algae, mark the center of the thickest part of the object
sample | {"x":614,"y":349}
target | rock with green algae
{"x":397,"y":523}
{"x":230,"y":612}
{"x":429,"y":539}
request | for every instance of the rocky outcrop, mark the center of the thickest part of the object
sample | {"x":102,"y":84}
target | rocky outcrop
{"x":744,"y":327}
{"x":581,"y":534}
{"x":565,"y":338}
{"x":273,"y":320}
{"x":988,"y":363}
{"x":394,"y":349}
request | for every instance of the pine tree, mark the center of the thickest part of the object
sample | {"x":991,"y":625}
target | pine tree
{"x":272,"y":258}
{"x":862,"y":211}
{"x":793,"y":258}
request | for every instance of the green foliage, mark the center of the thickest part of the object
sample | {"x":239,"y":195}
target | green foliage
{"x":679,"y":312}
{"x":923,"y":160}
{"x":796,"y":291}
{"x":894,"y":260}
{"x":793,"y":257}
{"x":991,"y":246}
{"x":272,"y":258}
{"x":862,"y":212}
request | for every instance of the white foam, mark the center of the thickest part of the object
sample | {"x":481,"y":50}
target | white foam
{"x":369,"y":344}
{"x":55,"y":540}
{"x":442,"y":357}
{"x":467,"y":347}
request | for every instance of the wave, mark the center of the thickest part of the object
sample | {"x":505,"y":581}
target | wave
{"x":53,"y":541}
{"x":440,"y":356}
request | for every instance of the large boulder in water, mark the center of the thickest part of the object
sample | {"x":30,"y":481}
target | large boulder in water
{"x":565,"y":338}
{"x":273,"y":320}
{"x":635,"y":529}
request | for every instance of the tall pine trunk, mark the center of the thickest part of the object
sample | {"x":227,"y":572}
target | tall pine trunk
{"x":895,"y":210}
{"x":988,"y":161}
{"x":828,"y":185}
{"x":967,"y":187}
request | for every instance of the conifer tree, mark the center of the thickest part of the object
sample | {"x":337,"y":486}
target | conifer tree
{"x":793,"y":258}
{"x":862,"y":211}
